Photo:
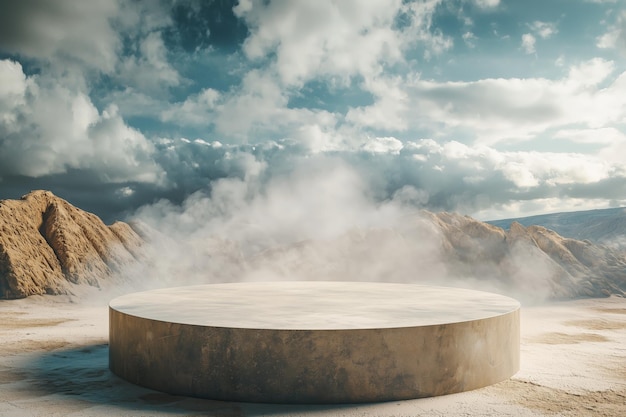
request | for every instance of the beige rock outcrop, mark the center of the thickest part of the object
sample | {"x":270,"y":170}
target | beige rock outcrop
{"x":527,"y":257}
{"x":46,"y":245}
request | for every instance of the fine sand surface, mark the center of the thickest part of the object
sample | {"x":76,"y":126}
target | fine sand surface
{"x":54,"y":362}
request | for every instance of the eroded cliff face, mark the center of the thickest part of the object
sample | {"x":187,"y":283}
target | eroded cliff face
{"x":532,"y":256}
{"x":46,"y":245}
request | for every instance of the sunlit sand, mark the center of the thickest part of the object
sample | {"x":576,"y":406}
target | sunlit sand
{"x":54,"y":361}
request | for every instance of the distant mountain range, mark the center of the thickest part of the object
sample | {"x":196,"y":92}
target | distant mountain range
{"x":605,"y":226}
{"x":48,"y":246}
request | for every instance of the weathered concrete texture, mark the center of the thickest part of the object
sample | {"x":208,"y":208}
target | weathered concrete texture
{"x":314,"y":366}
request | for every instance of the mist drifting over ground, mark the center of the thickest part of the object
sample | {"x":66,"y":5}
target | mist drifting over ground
{"x":322,"y":220}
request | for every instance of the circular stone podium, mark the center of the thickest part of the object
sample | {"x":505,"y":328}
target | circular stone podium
{"x":313,"y":342}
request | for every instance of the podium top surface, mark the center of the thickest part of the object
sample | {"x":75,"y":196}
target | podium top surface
{"x":313,"y":305}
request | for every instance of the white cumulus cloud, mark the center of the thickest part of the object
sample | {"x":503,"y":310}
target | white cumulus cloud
{"x":330,"y":38}
{"x":543,"y":29}
{"x":499,"y":109}
{"x":48,"y":128}
{"x":528,"y":43}
{"x":196,"y":110}
{"x":487,"y":3}
{"x":615,"y":35}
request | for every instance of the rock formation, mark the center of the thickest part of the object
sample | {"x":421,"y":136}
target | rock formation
{"x":47,"y":245}
{"x":533,"y":256}
{"x":531,"y":263}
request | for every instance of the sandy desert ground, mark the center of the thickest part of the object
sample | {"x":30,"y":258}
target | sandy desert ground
{"x":54,"y":362}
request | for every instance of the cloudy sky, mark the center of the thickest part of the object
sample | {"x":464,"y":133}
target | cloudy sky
{"x":492,"y":108}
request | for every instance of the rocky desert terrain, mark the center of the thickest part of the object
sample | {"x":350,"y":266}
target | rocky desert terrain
{"x":48,"y":246}
{"x":59,"y":267}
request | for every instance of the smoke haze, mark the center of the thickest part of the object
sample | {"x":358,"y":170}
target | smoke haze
{"x":322,"y":221}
